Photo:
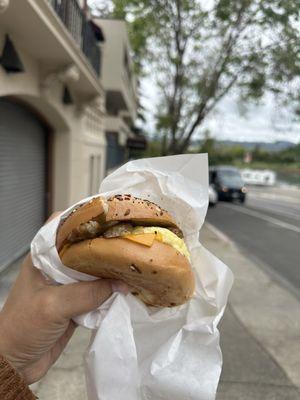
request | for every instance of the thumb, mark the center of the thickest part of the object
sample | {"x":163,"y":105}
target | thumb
{"x":79,"y":298}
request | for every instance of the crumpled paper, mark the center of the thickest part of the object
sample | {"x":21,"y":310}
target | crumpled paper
{"x":143,"y":353}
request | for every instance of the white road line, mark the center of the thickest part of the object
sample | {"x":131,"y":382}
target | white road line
{"x":271,"y":220}
{"x":256,"y":204}
{"x":274,"y":196}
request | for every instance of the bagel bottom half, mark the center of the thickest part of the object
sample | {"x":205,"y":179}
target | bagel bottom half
{"x":159,"y":275}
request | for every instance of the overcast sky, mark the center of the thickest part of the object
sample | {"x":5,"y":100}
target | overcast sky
{"x":266,"y":123}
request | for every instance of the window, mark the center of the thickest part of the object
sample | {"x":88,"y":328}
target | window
{"x":126,"y":63}
{"x":125,"y":59}
{"x":95,"y":173}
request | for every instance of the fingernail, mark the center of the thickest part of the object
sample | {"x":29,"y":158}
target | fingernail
{"x":119,"y":286}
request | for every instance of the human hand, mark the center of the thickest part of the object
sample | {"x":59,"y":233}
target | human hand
{"x":36,"y":320}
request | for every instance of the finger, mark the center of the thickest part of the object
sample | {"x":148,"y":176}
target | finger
{"x":78,"y":298}
{"x":52,"y":216}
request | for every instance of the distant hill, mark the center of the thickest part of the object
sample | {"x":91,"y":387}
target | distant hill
{"x":271,"y":147}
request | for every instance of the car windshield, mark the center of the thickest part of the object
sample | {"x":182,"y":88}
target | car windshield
{"x":231,"y":177}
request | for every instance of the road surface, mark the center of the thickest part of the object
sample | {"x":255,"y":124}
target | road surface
{"x":267,"y":227}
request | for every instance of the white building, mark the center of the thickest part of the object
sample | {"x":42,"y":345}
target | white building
{"x":120,"y":84}
{"x":52,"y":112}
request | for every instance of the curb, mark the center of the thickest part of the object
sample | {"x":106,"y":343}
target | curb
{"x":219,"y":234}
{"x":273,"y":303}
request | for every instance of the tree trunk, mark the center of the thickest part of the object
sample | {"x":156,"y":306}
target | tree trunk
{"x":164,"y":144}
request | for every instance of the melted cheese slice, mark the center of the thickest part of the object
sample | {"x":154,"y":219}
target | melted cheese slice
{"x":147,"y":234}
{"x":146,"y":239}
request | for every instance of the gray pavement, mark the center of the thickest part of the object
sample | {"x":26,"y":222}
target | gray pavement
{"x":266,"y":227}
{"x":260,"y":332}
{"x":249,"y":371}
{"x":260,"y":337}
{"x":276,"y":200}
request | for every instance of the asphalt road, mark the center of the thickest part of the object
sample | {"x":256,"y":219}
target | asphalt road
{"x":267,"y":227}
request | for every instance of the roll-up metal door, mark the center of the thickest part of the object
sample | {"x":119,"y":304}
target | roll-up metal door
{"x":22,"y":180}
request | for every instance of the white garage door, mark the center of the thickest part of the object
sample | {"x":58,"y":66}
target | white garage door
{"x":22,"y":179}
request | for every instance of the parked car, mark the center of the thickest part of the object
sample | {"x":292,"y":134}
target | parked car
{"x":228,"y":183}
{"x":212,"y":196}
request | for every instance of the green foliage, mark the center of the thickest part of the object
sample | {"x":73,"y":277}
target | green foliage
{"x":201,"y":52}
{"x":153,"y":148}
{"x":291,"y":155}
{"x":284,"y":161}
{"x":218,"y":155}
{"x":235,"y":154}
{"x":288,"y":156}
{"x":208,"y":146}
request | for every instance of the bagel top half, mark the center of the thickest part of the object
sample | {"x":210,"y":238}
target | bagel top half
{"x":132,"y":240}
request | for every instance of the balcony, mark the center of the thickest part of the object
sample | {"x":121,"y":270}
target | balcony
{"x":55,"y":34}
{"x":117,"y":124}
{"x":80,"y":28}
{"x":117,"y":74}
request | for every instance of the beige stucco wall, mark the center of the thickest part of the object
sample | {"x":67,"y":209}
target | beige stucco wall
{"x":88,"y":140}
{"x":114,"y":76}
{"x":74,"y":139}
{"x":113,"y":53}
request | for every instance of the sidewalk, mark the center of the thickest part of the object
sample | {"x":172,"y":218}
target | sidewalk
{"x":260,"y":337}
{"x":260,"y":332}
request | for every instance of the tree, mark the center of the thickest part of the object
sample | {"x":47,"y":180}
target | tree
{"x":202,"y":52}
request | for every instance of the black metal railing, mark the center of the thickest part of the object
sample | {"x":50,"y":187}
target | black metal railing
{"x":80,"y":28}
{"x":90,"y":46}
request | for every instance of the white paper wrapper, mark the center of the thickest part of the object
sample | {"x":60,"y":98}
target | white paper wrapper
{"x":142,"y":353}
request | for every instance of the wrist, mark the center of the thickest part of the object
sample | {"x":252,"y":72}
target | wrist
{"x":13,"y":362}
{"x":13,"y":385}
